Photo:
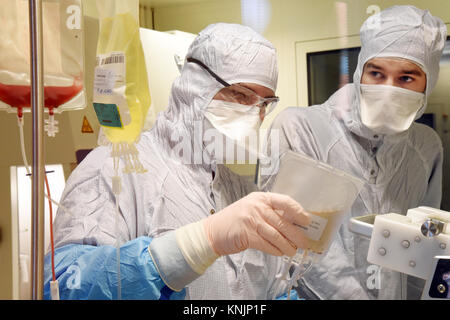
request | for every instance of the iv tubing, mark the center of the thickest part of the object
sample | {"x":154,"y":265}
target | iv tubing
{"x":281,"y":277}
{"x":51,"y":228}
{"x":117,"y":190}
{"x":298,"y":273}
{"x":48,"y":196}
{"x":27,"y":167}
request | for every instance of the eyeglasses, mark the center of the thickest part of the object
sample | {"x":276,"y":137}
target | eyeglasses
{"x":241,"y":94}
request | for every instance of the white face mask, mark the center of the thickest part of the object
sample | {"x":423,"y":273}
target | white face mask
{"x":388,"y":109}
{"x":240,"y":124}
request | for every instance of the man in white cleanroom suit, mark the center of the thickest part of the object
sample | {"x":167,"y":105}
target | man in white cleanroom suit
{"x":184,"y":229}
{"x":367,"y":129}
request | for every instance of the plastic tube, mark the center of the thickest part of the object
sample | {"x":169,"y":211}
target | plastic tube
{"x":54,"y":283}
{"x":283,"y":275}
{"x":301,"y":267}
{"x":27,"y":168}
{"x":117,"y":189}
{"x":51,"y":227}
{"x":302,"y":263}
{"x":22,"y":144}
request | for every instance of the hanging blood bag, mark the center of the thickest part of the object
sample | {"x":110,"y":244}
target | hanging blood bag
{"x":63,"y":50}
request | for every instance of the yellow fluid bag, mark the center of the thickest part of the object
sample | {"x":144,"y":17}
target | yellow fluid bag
{"x":121,"y":93}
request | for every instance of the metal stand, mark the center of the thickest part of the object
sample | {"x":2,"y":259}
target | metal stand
{"x":37,"y":108}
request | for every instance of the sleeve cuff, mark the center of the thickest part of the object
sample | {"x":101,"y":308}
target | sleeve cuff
{"x":170,"y":262}
{"x":195,"y":247}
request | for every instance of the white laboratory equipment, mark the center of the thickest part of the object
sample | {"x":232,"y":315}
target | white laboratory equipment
{"x":413,"y":244}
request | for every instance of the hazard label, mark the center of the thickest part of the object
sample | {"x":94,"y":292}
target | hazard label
{"x":86,"y":128}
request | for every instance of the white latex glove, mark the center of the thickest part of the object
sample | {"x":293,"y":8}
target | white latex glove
{"x":264,"y":221}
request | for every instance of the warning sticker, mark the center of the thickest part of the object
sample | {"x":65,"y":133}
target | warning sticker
{"x":86,"y":128}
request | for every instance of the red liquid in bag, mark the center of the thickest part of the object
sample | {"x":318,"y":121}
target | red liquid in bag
{"x":19,"y":96}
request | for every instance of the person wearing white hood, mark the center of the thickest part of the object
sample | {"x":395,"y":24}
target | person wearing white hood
{"x":189,"y":227}
{"x":366,"y":129}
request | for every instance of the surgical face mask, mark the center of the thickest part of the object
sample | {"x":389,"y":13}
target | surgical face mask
{"x":388,"y":109}
{"x":233,"y":129}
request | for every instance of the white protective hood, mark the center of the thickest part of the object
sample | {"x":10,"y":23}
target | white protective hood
{"x":235,"y":53}
{"x":402,"y":32}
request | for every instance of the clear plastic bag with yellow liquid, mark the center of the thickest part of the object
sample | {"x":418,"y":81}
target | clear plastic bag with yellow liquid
{"x":121,"y":92}
{"x":327,"y":194}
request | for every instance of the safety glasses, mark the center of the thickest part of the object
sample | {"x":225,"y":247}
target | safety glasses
{"x":240,"y":94}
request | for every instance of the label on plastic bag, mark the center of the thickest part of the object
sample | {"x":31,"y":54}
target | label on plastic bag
{"x":104,"y":81}
{"x":108,"y":115}
{"x":315,"y":228}
{"x":109,"y":73}
{"x":109,"y":89}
